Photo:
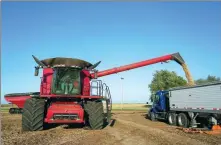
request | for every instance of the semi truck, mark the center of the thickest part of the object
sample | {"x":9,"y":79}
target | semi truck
{"x":196,"y":106}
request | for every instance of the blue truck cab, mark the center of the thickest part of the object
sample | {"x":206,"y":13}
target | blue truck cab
{"x":160,"y":105}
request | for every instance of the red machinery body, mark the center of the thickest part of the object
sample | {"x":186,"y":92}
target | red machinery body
{"x":65,"y":112}
{"x":46,"y":81}
{"x":66,"y":108}
{"x":18,"y":100}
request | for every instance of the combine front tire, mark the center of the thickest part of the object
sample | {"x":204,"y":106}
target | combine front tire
{"x":95,"y":114}
{"x":33,"y":114}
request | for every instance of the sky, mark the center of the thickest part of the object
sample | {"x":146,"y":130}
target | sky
{"x":116,"y":33}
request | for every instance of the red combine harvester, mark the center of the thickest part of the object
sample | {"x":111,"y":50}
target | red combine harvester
{"x":66,"y":93}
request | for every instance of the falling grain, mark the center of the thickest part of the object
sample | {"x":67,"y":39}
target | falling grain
{"x":188,"y":75}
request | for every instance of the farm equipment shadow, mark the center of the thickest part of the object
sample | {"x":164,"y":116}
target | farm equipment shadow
{"x":77,"y":125}
{"x":65,"y":126}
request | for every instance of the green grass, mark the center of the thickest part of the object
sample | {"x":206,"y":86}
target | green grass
{"x":130,"y":107}
{"x":5,"y":107}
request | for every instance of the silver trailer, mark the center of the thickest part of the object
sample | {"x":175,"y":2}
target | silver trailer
{"x":194,"y":106}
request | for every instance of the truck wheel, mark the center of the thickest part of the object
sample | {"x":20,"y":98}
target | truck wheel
{"x":152,"y":116}
{"x":172,"y":119}
{"x":33,"y":114}
{"x":148,"y":114}
{"x":183,"y":121}
{"x":95,"y":114}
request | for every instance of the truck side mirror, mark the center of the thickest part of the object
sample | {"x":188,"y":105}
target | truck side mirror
{"x":147,"y":103}
{"x":36,"y":71}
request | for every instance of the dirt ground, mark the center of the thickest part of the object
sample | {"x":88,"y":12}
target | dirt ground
{"x":129,"y":128}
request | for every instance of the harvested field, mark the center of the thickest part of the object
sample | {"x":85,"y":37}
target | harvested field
{"x":130,"y":128}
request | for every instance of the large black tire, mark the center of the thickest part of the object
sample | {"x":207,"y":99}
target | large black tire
{"x":95,"y":114}
{"x":172,"y":119}
{"x":183,"y":120}
{"x":33,"y":114}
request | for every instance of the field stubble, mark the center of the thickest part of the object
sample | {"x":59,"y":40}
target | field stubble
{"x":130,"y":127}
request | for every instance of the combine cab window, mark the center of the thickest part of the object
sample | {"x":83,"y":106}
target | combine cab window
{"x":66,"y":81}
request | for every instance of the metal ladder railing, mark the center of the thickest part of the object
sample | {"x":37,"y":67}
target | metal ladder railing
{"x":96,"y":88}
{"x":101,"y":89}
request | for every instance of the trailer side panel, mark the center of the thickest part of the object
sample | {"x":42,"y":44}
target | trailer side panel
{"x":205,"y":98}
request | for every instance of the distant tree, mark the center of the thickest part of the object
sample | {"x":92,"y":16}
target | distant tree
{"x":209,"y":79}
{"x":165,"y":80}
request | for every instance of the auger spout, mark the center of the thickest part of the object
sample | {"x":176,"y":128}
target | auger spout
{"x":176,"y":57}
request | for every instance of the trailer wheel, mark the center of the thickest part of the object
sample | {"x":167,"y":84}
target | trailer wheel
{"x":183,"y":121}
{"x":20,"y":110}
{"x":95,"y":114}
{"x":11,"y":111}
{"x":172,"y":119}
{"x":33,"y":114}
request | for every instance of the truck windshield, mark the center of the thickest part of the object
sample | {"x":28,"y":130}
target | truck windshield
{"x":156,"y":98}
{"x":66,"y":81}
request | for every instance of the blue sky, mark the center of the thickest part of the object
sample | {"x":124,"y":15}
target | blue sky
{"x":116,"y":33}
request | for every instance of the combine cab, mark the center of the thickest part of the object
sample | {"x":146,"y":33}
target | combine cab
{"x":70,"y":93}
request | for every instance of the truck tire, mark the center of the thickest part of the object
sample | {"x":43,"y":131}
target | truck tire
{"x":148,"y":114}
{"x":33,"y":114}
{"x":172,"y":120}
{"x":152,"y":116}
{"x":95,"y":114}
{"x":183,"y":120}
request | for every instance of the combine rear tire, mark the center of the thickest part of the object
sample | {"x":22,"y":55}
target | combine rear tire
{"x":95,"y":114}
{"x":33,"y":114}
{"x":172,"y":119}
